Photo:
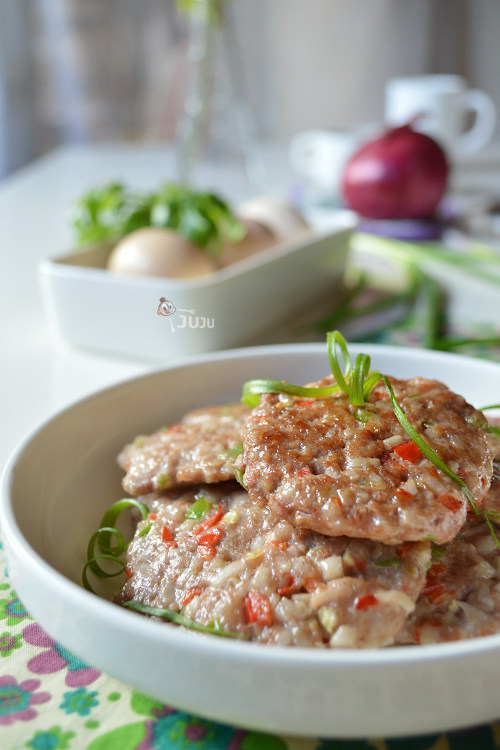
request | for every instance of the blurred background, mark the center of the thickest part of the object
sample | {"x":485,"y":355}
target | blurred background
{"x":83,"y":71}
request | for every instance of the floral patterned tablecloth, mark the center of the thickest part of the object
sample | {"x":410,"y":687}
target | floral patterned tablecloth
{"x":50,"y":700}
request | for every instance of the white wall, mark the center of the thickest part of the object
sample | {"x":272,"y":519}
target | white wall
{"x":100,"y":69}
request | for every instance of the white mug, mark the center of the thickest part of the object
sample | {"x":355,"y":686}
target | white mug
{"x":441,"y":105}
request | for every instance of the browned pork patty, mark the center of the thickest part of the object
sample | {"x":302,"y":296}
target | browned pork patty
{"x":339,"y":469}
{"x":461,"y":598}
{"x":198,"y":449}
{"x":240,"y":566}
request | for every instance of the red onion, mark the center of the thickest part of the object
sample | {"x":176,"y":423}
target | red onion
{"x":401,"y":175}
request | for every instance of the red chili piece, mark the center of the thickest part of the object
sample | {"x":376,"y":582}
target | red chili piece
{"x":289,"y":585}
{"x":191,"y":593}
{"x":206,"y":551}
{"x":434,"y":591}
{"x":167,"y":537}
{"x":209,"y":522}
{"x":450,"y":502}
{"x":166,"y":534}
{"x":363,"y":602}
{"x":211,"y":537}
{"x":409,"y":452}
{"x":360,"y":564}
{"x":258,"y":608}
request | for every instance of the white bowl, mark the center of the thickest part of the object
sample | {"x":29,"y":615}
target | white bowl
{"x":61,"y":479}
{"x":94,"y":309}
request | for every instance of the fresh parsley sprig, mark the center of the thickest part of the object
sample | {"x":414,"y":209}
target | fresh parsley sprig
{"x":109,"y":212}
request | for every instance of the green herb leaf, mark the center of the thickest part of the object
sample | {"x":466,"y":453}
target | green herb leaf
{"x":110,"y":212}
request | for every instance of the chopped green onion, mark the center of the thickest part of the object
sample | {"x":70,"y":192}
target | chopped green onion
{"x":238,"y":475}
{"x":180,"y":619}
{"x":362,"y":415}
{"x":437,"y":552}
{"x":198,"y":509}
{"x":162,"y":480}
{"x":233,"y":452}
{"x":388,"y":562}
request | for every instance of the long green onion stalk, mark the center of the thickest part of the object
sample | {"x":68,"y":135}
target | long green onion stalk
{"x":422,"y":302}
{"x":179,"y":619}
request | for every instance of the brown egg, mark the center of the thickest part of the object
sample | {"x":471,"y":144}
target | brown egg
{"x":282,"y":218}
{"x":154,"y":251}
{"x":257,"y":238}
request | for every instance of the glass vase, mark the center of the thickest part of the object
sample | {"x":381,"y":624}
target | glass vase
{"x":217,"y":127}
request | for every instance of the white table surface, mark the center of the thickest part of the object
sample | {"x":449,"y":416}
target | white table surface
{"x":39,"y":375}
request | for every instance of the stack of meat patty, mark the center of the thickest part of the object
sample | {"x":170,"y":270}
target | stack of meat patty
{"x":339,"y":533}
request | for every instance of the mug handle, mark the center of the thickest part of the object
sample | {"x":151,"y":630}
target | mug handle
{"x":484,"y":126}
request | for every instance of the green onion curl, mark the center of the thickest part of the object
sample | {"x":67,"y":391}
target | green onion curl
{"x":108,"y":542}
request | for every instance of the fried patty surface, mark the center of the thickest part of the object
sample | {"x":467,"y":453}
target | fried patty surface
{"x":255,"y":574}
{"x":343,"y":470}
{"x":199,"y":448}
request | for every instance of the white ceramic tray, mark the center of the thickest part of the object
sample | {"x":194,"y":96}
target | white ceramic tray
{"x":162,"y":319}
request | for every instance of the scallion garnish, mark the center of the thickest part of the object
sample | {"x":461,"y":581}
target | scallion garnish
{"x":253,"y":389}
{"x":103,"y":540}
{"x":198,"y":509}
{"x":495,"y":429}
{"x":437,"y":552}
{"x":180,"y":619}
{"x":388,"y":562}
